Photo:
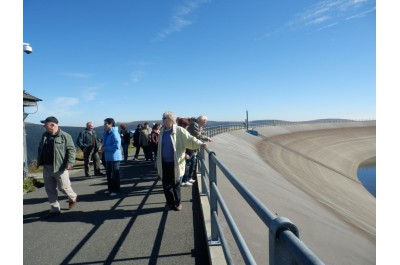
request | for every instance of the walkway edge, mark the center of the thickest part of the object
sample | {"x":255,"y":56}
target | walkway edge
{"x":215,"y":253}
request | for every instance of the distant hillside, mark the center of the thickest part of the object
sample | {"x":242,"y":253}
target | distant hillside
{"x":34,"y":133}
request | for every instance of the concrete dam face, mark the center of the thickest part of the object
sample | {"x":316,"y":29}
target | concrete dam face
{"x":307,"y":173}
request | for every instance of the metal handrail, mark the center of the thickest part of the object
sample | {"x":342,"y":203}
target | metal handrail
{"x":285,"y":246}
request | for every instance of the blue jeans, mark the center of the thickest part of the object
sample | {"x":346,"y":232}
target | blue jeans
{"x":113,"y":178}
{"x":186,"y":177}
{"x":193,"y":164}
{"x":189,"y":167}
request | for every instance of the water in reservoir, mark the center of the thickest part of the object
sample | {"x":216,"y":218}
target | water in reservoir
{"x":367,"y":175}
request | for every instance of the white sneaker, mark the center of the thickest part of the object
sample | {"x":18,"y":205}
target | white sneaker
{"x":107,"y":192}
{"x":113,"y":194}
{"x":187,"y":184}
{"x":192,"y":180}
{"x":184,"y":184}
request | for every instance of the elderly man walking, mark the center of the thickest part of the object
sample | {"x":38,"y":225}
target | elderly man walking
{"x":57,"y":155}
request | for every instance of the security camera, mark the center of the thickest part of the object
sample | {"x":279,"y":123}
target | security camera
{"x":27,"y":48}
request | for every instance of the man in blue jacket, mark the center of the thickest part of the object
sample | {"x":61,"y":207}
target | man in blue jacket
{"x":112,"y":149}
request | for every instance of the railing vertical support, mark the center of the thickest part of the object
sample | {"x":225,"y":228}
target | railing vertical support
{"x":202,"y":169}
{"x":213,"y":199}
{"x":279,"y":255}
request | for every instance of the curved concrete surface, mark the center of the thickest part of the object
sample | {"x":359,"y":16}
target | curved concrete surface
{"x":307,"y":173}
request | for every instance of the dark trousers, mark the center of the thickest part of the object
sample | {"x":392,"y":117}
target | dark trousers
{"x":90,"y":153}
{"x":137,"y":151}
{"x":103,"y":159}
{"x":172,"y":188}
{"x":147,"y":152}
{"x":155,"y":153}
{"x":125,"y":149}
{"x":113,"y":178}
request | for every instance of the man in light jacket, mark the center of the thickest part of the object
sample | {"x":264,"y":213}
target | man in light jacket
{"x":172,"y":144}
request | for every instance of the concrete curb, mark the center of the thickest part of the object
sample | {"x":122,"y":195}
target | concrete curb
{"x":215,"y":252}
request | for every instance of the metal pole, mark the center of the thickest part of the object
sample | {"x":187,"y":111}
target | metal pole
{"x":213,"y":198}
{"x":247,"y":120}
{"x":25,"y":153}
{"x":28,"y":50}
{"x":202,"y":169}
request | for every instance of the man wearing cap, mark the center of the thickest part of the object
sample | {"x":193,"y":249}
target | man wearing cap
{"x":57,"y":155}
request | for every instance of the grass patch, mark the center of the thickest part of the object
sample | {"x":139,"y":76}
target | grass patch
{"x":79,"y":155}
{"x":31,"y":184}
{"x":33,"y":168}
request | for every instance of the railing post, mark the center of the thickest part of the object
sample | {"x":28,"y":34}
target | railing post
{"x":202,"y":169}
{"x":279,"y":255}
{"x":212,"y":167}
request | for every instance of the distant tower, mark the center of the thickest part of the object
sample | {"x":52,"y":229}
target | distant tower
{"x":247,"y":120}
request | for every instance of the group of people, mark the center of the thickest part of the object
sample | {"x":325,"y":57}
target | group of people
{"x":172,"y":145}
{"x":111,"y":152}
{"x":143,"y":137}
{"x":195,"y":126}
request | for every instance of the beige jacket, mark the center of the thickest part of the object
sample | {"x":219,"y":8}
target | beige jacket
{"x":181,"y":140}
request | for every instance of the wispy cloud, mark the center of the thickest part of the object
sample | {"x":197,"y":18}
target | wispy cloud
{"x":140,"y":63}
{"x":89,"y":93}
{"x":58,"y":107}
{"x":361,"y":14}
{"x":330,"y":12}
{"x":65,"y":102}
{"x":136,"y":75}
{"x":181,"y":18}
{"x":77,"y":75}
{"x":326,"y":14}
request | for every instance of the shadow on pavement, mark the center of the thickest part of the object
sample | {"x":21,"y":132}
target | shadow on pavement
{"x":139,"y":182}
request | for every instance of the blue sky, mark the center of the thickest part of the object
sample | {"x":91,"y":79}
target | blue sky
{"x":133,"y":60}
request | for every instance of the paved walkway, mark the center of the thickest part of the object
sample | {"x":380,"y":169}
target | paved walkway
{"x":131,"y":228}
